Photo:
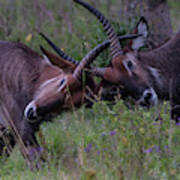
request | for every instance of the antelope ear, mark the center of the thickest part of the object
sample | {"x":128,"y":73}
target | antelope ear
{"x":143,"y":29}
{"x":66,"y":66}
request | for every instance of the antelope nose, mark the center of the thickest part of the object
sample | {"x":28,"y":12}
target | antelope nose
{"x":30,"y":111}
{"x":149,"y":98}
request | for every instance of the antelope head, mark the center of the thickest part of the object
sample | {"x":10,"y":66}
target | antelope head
{"x":64,"y":90}
{"x":124,"y":70}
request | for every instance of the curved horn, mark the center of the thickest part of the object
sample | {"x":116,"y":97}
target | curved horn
{"x":59,"y":51}
{"x":115,"y":47}
{"x":89,"y":58}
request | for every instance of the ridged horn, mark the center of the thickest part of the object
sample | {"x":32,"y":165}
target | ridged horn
{"x":89,"y":58}
{"x":115,"y":47}
{"x":59,"y":51}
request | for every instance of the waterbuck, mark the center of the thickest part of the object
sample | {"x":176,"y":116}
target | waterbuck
{"x":33,"y":90}
{"x":146,"y":76}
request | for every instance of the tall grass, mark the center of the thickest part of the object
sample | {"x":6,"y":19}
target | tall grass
{"x":106,"y":141}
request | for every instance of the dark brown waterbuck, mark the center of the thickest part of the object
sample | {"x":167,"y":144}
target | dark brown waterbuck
{"x":146,"y":76}
{"x":33,"y":90}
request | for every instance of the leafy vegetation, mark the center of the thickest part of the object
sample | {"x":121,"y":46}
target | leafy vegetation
{"x":105,"y":141}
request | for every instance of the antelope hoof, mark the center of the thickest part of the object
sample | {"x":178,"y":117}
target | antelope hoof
{"x":30,"y":111}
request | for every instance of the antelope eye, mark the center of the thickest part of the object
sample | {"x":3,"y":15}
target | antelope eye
{"x":62,"y":82}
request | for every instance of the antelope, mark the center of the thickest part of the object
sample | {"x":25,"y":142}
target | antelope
{"x":146,"y":76}
{"x":34,"y":90}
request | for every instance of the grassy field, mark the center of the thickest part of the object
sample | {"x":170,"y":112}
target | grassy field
{"x":107,"y":141}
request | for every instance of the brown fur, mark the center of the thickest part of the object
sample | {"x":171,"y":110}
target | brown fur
{"x":166,"y":59}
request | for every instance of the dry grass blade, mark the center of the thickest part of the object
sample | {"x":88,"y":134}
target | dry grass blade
{"x":10,"y":124}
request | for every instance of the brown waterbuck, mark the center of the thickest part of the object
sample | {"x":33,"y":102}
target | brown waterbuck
{"x":146,"y":76}
{"x":33,"y":90}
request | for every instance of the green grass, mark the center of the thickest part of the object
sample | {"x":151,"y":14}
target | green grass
{"x":175,"y":14}
{"x":104,"y":142}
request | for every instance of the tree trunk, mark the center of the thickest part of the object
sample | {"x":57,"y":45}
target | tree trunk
{"x":157,"y":14}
